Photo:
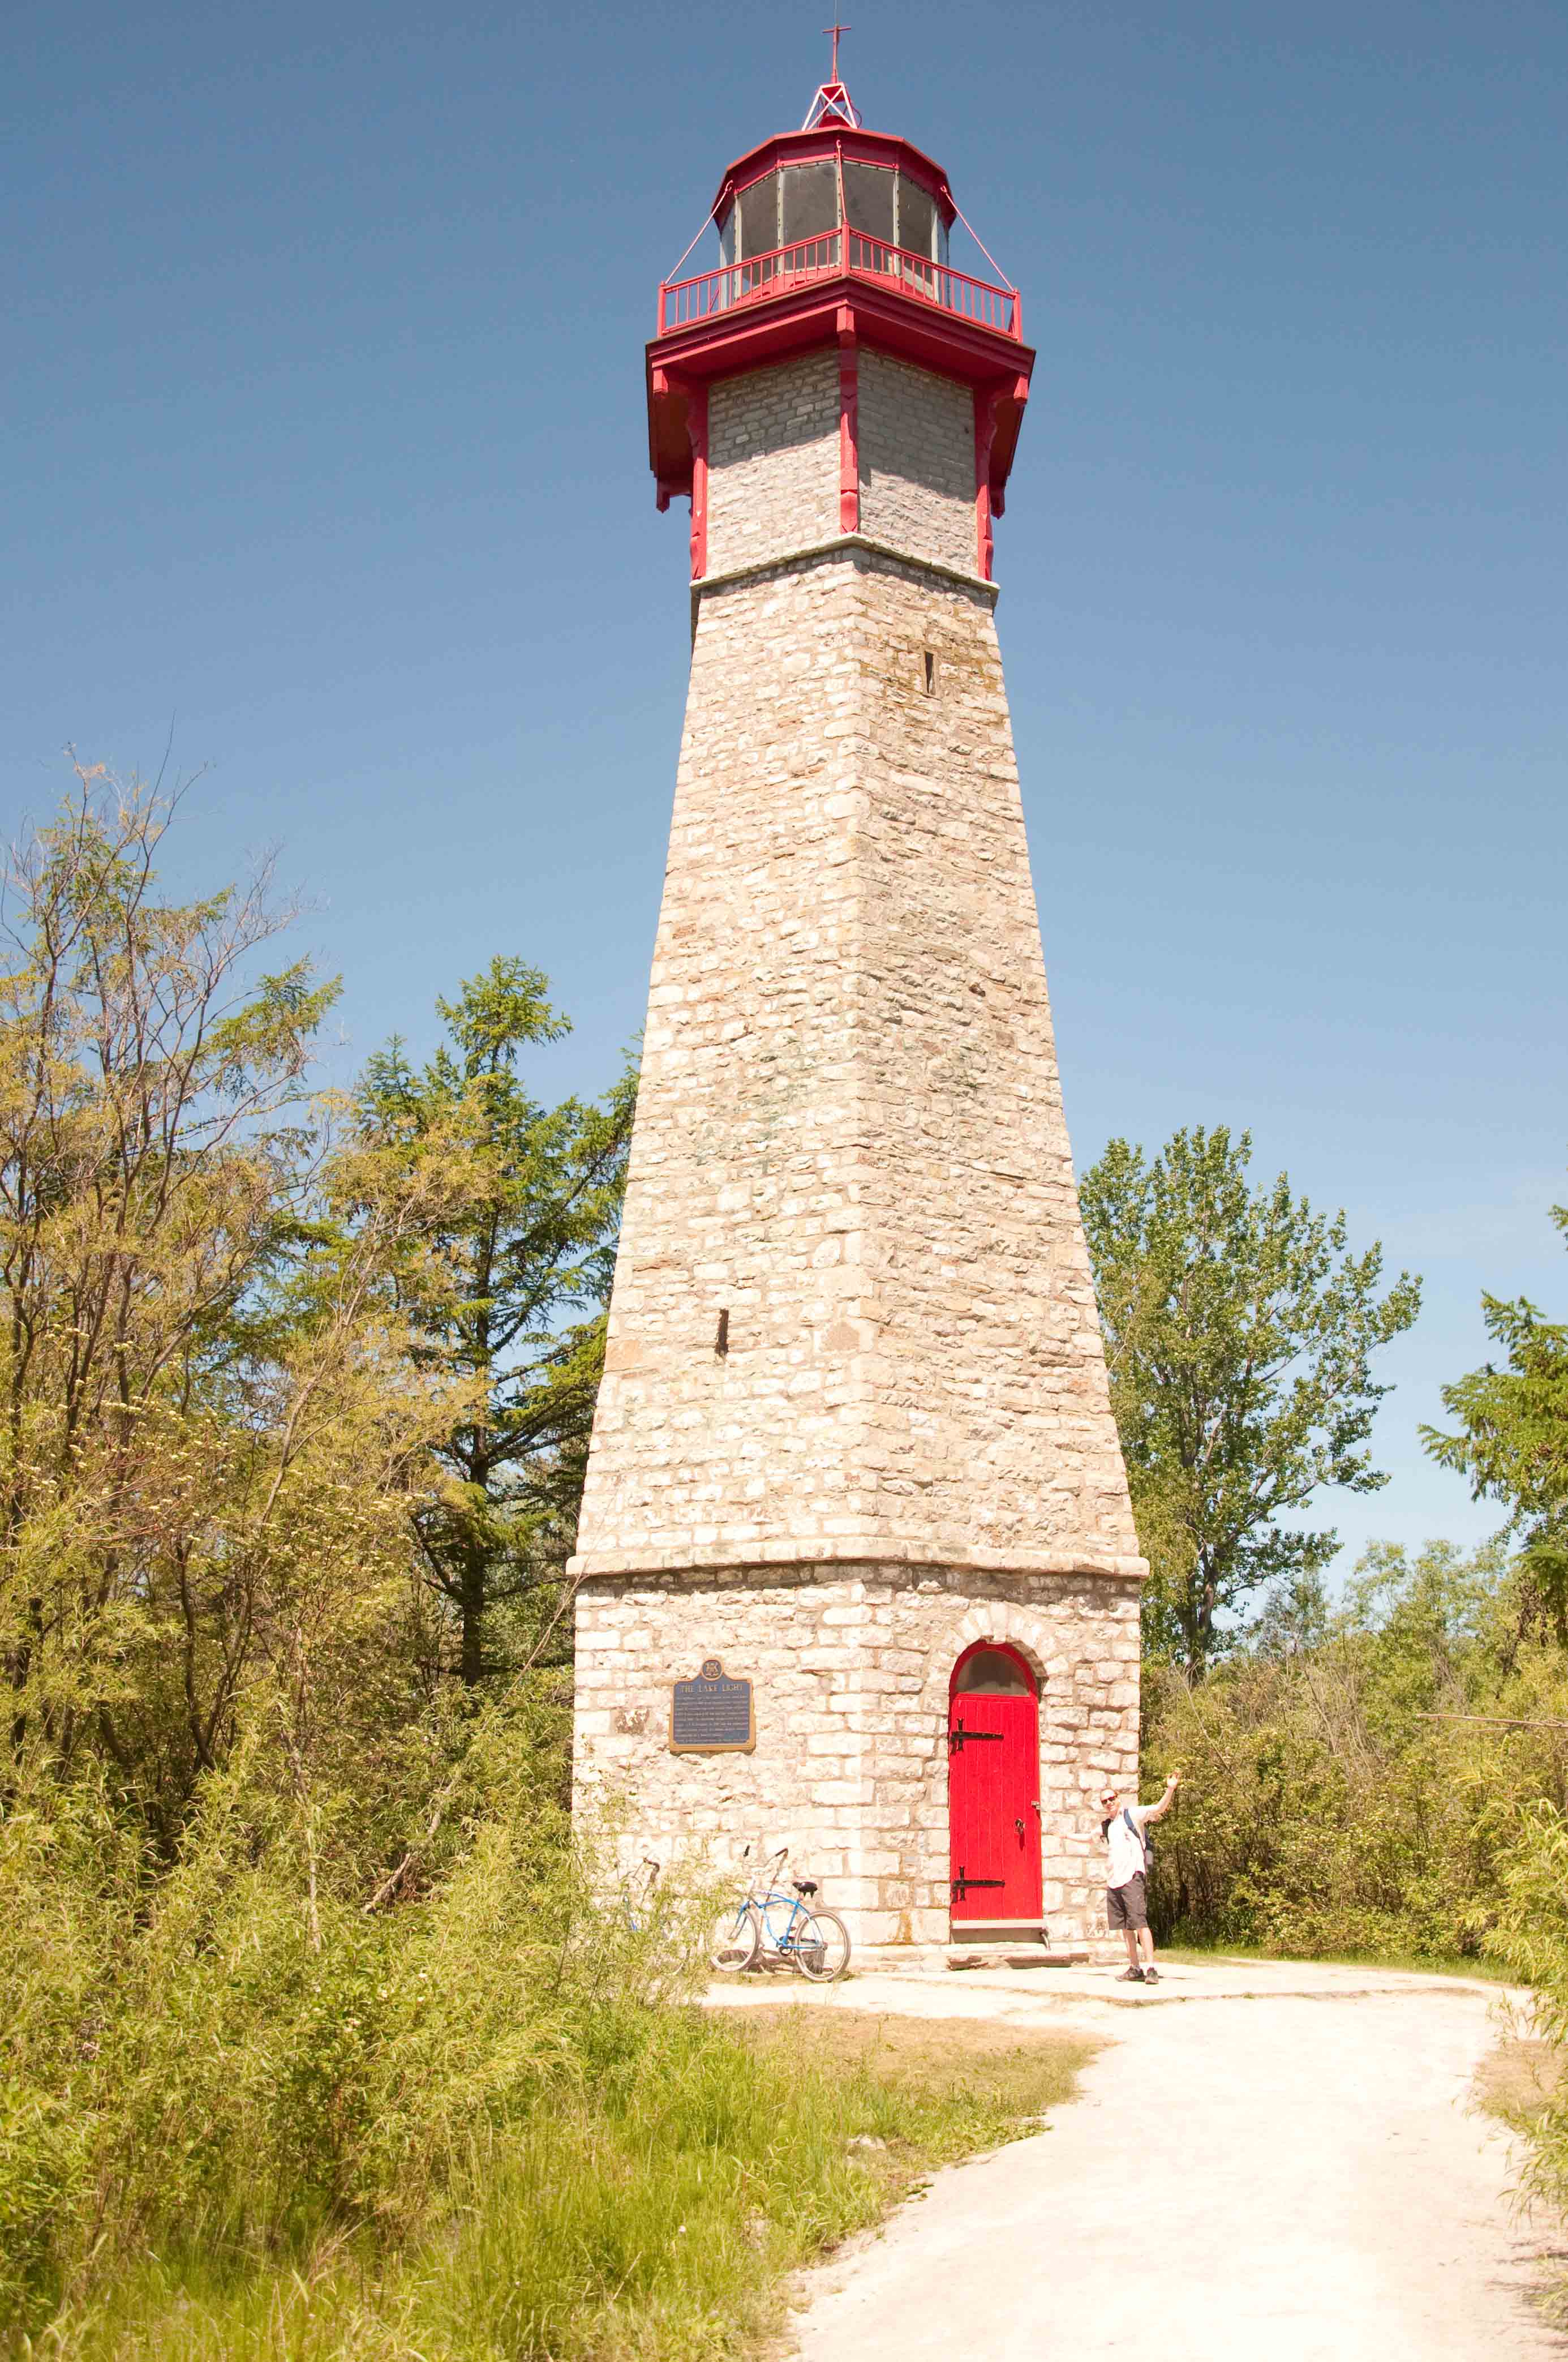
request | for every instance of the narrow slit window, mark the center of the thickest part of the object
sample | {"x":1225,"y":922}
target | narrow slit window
{"x":930,"y":661}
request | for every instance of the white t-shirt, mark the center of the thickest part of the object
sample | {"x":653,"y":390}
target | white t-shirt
{"x":1126,"y":1850}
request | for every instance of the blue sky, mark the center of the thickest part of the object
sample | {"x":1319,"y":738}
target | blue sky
{"x":325,"y":414}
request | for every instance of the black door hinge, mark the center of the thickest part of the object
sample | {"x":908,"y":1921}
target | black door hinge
{"x":957,"y":1736}
{"x":963,"y":1882}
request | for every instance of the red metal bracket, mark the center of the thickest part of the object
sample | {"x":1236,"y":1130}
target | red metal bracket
{"x":697,"y":429}
{"x":984,"y":436}
{"x":849,"y":423}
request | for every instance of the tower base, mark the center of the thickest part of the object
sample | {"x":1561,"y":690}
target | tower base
{"x":852,"y":1665}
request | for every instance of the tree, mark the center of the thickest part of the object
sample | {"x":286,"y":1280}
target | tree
{"x":1239,"y":1332}
{"x":1296,"y":1616}
{"x":512,"y":1303}
{"x":209,"y":1425}
{"x":1355,"y":1779}
{"x":1513,"y":1442}
{"x":148,"y":1163}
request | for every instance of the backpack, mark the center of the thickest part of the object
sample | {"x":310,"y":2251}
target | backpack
{"x":1144,"y":1838}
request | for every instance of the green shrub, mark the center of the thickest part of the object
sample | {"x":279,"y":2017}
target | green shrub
{"x":233,"y":2053}
{"x":1529,"y":1937}
{"x":1356,"y":1794}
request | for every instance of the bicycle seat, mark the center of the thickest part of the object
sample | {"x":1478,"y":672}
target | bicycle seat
{"x":803,"y":1885}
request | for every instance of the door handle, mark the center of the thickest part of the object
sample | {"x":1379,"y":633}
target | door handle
{"x":1019,"y":1827}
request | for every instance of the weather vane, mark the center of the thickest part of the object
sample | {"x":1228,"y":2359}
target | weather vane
{"x":832,"y":102}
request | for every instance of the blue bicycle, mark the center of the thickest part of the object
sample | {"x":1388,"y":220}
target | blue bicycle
{"x":780,"y":1929}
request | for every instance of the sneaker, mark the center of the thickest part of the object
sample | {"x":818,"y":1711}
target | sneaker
{"x":1151,"y":1976}
{"x":1131,"y":1977}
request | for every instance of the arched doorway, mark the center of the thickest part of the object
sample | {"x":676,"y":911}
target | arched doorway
{"x":993,"y":1788}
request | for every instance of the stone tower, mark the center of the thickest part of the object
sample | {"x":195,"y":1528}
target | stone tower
{"x":854,"y":1438}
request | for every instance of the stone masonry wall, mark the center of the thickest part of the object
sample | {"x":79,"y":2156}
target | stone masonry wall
{"x":773,"y":458}
{"x":772,"y":447}
{"x":849,"y":1132}
{"x":851,"y":1766}
{"x":916,"y":448}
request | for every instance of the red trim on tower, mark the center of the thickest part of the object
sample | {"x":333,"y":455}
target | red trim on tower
{"x":849,"y":424}
{"x":755,"y":335}
{"x":1008,"y":416}
{"x":697,"y":429}
{"x":984,"y":437}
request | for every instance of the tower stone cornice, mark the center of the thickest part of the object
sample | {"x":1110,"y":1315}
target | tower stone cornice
{"x":864,"y":1549}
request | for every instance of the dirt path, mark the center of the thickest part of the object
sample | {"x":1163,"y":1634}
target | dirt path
{"x":1291,"y":2173}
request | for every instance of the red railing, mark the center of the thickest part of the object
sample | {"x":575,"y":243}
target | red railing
{"x":683,"y":302}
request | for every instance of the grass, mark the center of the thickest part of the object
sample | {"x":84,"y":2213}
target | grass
{"x":1480,"y":1971}
{"x":649,"y":2224}
{"x":1018,"y":2074}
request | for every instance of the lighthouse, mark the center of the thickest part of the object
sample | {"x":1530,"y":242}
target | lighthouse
{"x":856,"y":1568}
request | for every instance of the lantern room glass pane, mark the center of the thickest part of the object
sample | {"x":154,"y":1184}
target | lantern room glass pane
{"x":868,"y":199}
{"x":990,"y":1672}
{"x":811,"y":201}
{"x":758,"y":207}
{"x":916,"y":218}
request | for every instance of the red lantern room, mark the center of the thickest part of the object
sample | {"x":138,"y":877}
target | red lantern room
{"x":834,"y":235}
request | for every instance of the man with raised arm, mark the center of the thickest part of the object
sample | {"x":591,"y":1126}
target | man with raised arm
{"x":1126,"y":1903}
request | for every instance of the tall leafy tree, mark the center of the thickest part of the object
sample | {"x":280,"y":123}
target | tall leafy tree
{"x":1239,"y":1332}
{"x":512,"y":1302}
{"x":1512,"y":1442}
{"x":209,"y":1429}
{"x":150,"y":1162}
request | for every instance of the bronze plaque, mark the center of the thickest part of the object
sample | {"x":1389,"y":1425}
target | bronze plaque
{"x":712,"y":1714}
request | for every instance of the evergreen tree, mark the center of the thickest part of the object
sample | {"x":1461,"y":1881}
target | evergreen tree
{"x":511,"y":1303}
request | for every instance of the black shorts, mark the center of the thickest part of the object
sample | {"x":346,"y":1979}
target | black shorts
{"x":1125,"y":1906}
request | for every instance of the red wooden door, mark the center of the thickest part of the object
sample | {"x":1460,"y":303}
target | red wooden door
{"x":993,"y":1794}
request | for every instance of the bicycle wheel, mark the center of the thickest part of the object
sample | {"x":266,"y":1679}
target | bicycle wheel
{"x":735,"y":1940}
{"x":821,"y":1947}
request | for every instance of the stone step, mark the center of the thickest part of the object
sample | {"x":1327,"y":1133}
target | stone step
{"x":1016,"y":1955}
